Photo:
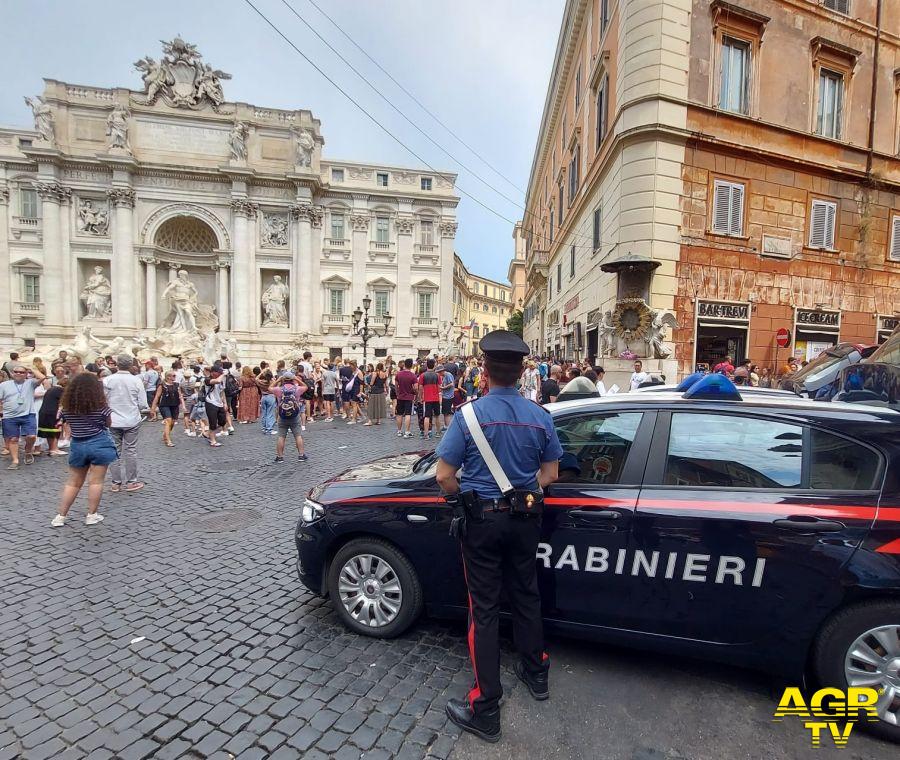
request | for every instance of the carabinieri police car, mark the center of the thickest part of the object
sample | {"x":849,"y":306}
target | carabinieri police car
{"x":763,"y":531}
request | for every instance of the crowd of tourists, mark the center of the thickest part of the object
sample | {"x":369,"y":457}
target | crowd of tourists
{"x":95,"y":411}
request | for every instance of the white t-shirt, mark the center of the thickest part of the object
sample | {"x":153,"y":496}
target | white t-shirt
{"x":637,"y":378}
{"x":601,"y":388}
{"x":214,"y":393}
{"x":307,"y":368}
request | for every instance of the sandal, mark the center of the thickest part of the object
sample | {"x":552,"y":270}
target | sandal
{"x":115,"y":487}
{"x":215,"y":444}
{"x":170,"y":444}
{"x":29,"y":459}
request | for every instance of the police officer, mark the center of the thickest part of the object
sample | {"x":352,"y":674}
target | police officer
{"x":499,"y":540}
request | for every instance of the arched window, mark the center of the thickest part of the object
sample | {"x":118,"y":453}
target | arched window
{"x":188,"y":234}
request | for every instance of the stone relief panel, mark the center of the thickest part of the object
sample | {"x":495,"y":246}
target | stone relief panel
{"x":273,"y":231}
{"x":92,"y":217}
{"x":358,"y":172}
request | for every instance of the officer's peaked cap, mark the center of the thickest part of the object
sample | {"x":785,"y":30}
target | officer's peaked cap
{"x":504,"y":346}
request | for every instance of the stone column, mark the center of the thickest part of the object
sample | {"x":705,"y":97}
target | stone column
{"x":312,"y":293}
{"x":124,"y":266}
{"x":52,"y":195}
{"x":5,"y":274}
{"x":222,"y":293}
{"x":444,"y":306}
{"x":298,"y":212}
{"x":152,"y":297}
{"x":242,"y":209}
{"x":173,"y":271}
{"x":304,"y":253}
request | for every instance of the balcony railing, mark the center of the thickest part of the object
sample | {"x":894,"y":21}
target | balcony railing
{"x":426,"y":247}
{"x":27,"y":310}
{"x":424,"y":321}
{"x":29,"y":222}
{"x":337,"y":243}
{"x":336,"y":319}
{"x":378,"y":245}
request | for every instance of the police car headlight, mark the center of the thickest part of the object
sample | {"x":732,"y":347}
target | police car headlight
{"x":311,"y":511}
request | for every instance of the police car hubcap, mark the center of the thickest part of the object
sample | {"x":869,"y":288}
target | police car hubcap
{"x":873,"y":660}
{"x":370,"y":590}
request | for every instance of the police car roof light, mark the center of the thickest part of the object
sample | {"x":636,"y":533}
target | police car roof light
{"x":715,"y":387}
{"x":689,"y":381}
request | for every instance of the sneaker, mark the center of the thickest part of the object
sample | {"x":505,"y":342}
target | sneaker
{"x":421,"y":434}
{"x":302,"y":457}
{"x":190,"y":434}
{"x":407,"y":435}
{"x":136,"y":486}
{"x":399,"y":433}
{"x":430,"y":435}
{"x":93,"y":519}
{"x":273,"y":432}
{"x":224,"y":433}
{"x":329,"y":419}
{"x":279,"y":459}
{"x":58,"y":521}
{"x":231,"y":429}
{"x":352,"y":422}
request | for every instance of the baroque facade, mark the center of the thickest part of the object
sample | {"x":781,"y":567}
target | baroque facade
{"x":479,"y":306}
{"x":691,"y":195}
{"x":115,"y":193}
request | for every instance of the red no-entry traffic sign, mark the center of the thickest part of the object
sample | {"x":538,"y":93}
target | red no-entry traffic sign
{"x":783,"y":338}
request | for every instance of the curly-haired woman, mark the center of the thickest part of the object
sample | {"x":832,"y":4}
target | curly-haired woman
{"x":92,"y":449}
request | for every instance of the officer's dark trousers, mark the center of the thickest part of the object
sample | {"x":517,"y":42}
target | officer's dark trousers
{"x":499,"y":553}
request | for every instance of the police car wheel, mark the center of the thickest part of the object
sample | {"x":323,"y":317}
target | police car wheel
{"x":860,"y":646}
{"x":374,"y":588}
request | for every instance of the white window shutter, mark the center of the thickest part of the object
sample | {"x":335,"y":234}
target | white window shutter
{"x":817,"y":224}
{"x":736,"y":222}
{"x":895,"y":239}
{"x":721,"y":208}
{"x":830,"y":214}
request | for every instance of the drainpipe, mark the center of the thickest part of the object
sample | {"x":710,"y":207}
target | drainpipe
{"x":871,"y":153}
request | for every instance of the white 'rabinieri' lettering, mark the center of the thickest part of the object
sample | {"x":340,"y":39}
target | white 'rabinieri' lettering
{"x":694,"y":568}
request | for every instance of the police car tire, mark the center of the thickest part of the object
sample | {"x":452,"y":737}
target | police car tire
{"x":412,"y":601}
{"x":834,"y":640}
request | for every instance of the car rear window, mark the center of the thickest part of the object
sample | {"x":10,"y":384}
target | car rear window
{"x":598,"y":444}
{"x":733,"y":452}
{"x":839,"y":464}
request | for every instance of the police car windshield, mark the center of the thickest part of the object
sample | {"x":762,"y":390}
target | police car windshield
{"x":424,"y":463}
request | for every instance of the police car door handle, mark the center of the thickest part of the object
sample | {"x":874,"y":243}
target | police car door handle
{"x":417,"y":518}
{"x":809,"y":524}
{"x":595,"y":514}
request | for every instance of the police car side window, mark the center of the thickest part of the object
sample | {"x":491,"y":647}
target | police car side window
{"x":839,"y":464}
{"x":727,"y":451}
{"x":597,"y":445}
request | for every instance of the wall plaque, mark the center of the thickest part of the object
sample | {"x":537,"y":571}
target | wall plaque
{"x":181,"y":138}
{"x":818,"y":318}
{"x":724,"y":310}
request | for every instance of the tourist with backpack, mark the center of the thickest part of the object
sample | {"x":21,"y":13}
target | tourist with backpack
{"x":430,"y":387}
{"x":232,"y":390}
{"x":288,"y":404}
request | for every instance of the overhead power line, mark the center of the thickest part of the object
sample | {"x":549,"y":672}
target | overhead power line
{"x":391,"y":134}
{"x":416,"y":100}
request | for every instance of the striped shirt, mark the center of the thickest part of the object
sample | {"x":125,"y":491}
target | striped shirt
{"x":87,"y":425}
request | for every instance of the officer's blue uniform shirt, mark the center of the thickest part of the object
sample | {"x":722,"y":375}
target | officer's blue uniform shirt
{"x":520,"y":432}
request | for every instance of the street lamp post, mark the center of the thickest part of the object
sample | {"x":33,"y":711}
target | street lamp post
{"x":362,"y":329}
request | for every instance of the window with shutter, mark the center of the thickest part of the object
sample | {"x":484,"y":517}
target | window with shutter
{"x":821,"y":225}
{"x":596,"y":239}
{"x":728,"y":208}
{"x":894,"y":252}
{"x":841,"y":6}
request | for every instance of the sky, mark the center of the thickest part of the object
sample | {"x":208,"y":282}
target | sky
{"x":481,"y":67}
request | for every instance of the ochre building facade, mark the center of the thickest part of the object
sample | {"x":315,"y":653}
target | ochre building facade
{"x":757,"y":196}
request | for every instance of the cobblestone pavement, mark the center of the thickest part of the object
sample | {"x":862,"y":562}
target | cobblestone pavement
{"x":168,"y":631}
{"x":179,"y":629}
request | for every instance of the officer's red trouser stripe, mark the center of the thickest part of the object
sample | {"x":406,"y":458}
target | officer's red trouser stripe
{"x":475,"y":692}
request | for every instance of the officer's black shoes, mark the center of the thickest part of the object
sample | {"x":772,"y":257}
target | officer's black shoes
{"x":538,"y":684}
{"x":485,"y":725}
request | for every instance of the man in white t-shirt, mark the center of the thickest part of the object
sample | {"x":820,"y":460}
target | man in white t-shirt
{"x":638,"y":376}
{"x":127,"y":398}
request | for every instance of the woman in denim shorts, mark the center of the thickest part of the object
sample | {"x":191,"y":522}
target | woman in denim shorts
{"x":92,"y":450}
